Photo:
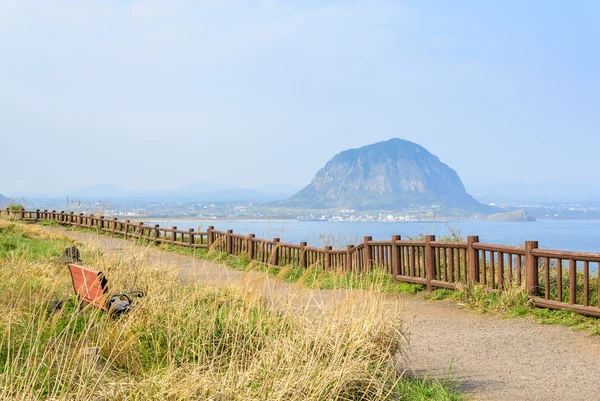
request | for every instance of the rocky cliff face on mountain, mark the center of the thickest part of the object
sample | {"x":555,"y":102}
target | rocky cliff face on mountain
{"x":390,"y":175}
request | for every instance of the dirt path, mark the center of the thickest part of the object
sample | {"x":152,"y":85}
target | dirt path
{"x":489,"y":357}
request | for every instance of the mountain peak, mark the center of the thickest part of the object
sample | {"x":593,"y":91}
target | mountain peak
{"x":392,"y":175}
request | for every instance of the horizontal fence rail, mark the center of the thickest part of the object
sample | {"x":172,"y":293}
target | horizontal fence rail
{"x":554,"y":279}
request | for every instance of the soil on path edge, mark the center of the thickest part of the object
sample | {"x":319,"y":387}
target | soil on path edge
{"x":490,"y":358}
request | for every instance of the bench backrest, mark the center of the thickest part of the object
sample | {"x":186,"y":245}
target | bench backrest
{"x":89,"y":285}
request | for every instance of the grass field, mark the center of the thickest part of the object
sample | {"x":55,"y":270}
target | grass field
{"x":184,"y":340}
{"x":513,"y":303}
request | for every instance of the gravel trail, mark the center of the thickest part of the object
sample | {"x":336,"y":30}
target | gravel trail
{"x":490,"y":358}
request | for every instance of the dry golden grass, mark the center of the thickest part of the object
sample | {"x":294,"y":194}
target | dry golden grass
{"x":184,"y":340}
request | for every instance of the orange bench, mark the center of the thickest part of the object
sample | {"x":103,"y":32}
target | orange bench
{"x":90,"y":287}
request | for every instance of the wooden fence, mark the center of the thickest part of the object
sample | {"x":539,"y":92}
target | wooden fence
{"x":554,"y":279}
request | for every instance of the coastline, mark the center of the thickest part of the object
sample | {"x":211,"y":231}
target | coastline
{"x":188,"y":220}
{"x":192,"y":220}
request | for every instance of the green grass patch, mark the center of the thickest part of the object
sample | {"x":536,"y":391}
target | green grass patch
{"x":440,"y":293}
{"x":567,"y":318}
{"x":425,"y":390}
{"x":16,"y":243}
{"x":515,"y":303}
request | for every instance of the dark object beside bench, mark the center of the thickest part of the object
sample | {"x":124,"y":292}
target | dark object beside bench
{"x":91,"y":287}
{"x":71,"y":255}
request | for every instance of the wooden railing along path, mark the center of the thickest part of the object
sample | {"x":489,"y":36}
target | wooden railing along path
{"x":554,"y":279}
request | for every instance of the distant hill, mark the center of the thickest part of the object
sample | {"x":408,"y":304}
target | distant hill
{"x":229,"y":195}
{"x":283,"y":191}
{"x":99,"y":192}
{"x":4,"y":201}
{"x":211,"y":191}
{"x":391,"y":175}
{"x":197,"y":191}
{"x":207,"y":191}
{"x":517,"y":215}
{"x":204,"y":187}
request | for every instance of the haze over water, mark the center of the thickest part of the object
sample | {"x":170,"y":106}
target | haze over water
{"x":581,"y":236}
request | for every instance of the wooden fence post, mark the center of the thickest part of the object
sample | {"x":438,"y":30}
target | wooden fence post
{"x":173,"y":234}
{"x":141,"y":229}
{"x":275,"y":252}
{"x":429,"y":261}
{"x":229,"y":242}
{"x":500,"y":270}
{"x":71,"y":217}
{"x":156,"y":234}
{"x":531,"y":269}
{"x":101,"y":223}
{"x":327,"y":254}
{"x":126,"y":229}
{"x":473,"y":260}
{"x":572,"y":281}
{"x":349,"y":249}
{"x":209,"y":236}
{"x":368,"y":253}
{"x":395,"y":257}
{"x":191,"y":237}
{"x":37,"y":215}
{"x":303,"y":259}
{"x":250,"y":246}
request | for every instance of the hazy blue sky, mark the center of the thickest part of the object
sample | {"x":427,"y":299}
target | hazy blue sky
{"x":156,"y":94}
